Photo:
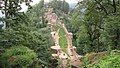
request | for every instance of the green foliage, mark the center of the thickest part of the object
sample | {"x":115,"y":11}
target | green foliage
{"x":40,"y":41}
{"x":36,"y":15}
{"x":12,"y":7}
{"x":95,"y":26}
{"x":18,"y":56}
{"x":23,"y":30}
{"x":36,"y":40}
{"x":62,"y":40}
{"x":91,"y":26}
{"x":110,"y":35}
{"x":111,"y":60}
{"x":60,"y":5}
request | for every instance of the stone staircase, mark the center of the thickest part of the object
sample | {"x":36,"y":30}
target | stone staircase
{"x":70,"y":56}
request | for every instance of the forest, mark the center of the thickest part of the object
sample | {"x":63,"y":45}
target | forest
{"x":56,"y":34}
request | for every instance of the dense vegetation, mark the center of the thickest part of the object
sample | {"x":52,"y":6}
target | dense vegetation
{"x":26,"y":41}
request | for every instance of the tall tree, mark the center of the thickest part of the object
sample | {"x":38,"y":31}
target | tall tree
{"x":91,"y":18}
{"x":22,"y":32}
{"x":36,"y":15}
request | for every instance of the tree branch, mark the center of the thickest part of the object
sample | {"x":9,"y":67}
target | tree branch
{"x":103,"y":8}
{"x":114,"y":6}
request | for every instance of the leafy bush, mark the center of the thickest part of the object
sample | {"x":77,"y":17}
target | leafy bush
{"x":18,"y":56}
{"x":92,"y":59}
{"x":102,"y":60}
{"x":111,"y":61}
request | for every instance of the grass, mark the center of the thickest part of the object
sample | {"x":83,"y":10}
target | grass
{"x":62,"y":40}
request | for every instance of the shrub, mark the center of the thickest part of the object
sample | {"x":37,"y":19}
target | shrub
{"x":103,"y":60}
{"x":18,"y":56}
{"x":111,"y":61}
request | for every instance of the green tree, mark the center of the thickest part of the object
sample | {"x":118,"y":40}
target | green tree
{"x":36,"y":15}
{"x":12,"y":6}
{"x":110,"y":35}
{"x":42,"y":33}
{"x":92,"y":22}
{"x":60,"y":5}
{"x":86,"y":24}
{"x":21,"y":31}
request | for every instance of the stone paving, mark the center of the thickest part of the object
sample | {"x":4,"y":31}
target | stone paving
{"x":69,"y":57}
